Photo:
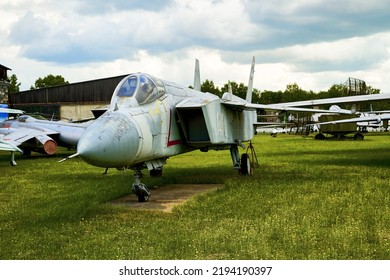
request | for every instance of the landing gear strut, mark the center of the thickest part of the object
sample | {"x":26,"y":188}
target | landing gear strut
{"x":139,"y":189}
{"x":235,"y":156}
{"x":12,"y":161}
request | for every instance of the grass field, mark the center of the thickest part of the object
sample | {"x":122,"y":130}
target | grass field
{"x":307,"y":200}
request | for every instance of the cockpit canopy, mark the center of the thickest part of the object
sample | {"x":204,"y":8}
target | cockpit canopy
{"x":141,"y":87}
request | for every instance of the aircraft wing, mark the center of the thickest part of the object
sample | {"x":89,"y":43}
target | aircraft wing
{"x":376,"y":119}
{"x":7,"y":146}
{"x":243,"y":105}
{"x":337,"y":100}
{"x":273,"y":124}
{"x":10,"y":111}
{"x":17,"y":136}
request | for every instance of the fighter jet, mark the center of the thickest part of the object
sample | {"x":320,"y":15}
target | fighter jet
{"x":25,"y":134}
{"x":150,"y":120}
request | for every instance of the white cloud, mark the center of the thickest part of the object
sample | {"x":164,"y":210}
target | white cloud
{"x":314,"y":43}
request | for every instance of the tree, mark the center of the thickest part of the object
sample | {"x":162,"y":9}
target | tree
{"x":238,"y":89}
{"x":14,"y":85}
{"x":256,"y":95}
{"x":208,"y":86}
{"x":371,"y":90}
{"x":269,"y":97}
{"x":336,"y":90}
{"x":293,"y":93}
{"x":49,"y":81}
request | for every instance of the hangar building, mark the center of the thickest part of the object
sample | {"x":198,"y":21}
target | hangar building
{"x":71,"y":101}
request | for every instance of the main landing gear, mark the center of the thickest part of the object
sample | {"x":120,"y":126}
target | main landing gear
{"x":244,"y":164}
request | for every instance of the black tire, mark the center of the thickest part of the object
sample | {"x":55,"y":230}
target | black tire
{"x":142,"y":192}
{"x":141,"y":198}
{"x":156,"y":172}
{"x":358,"y":136}
{"x":319,"y":136}
{"x":245,"y":165}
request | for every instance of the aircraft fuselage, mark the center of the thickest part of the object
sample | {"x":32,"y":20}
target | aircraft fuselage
{"x":150,"y":120}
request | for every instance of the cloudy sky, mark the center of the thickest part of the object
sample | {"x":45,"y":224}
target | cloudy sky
{"x":315,"y":43}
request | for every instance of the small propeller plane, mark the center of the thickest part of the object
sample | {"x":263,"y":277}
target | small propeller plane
{"x":367,"y":120}
{"x":150,"y":120}
{"x":339,"y":126}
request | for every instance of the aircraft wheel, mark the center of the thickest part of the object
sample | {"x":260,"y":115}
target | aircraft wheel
{"x":319,"y":136}
{"x":142,"y":192}
{"x":142,"y":198}
{"x":358,"y":136}
{"x":245,"y":165}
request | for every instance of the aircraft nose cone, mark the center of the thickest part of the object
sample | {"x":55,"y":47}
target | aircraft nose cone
{"x":110,"y":141}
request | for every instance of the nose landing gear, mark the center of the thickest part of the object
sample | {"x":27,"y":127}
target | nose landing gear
{"x":139,"y":189}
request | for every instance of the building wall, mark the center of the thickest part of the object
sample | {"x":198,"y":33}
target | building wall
{"x":72,"y":101}
{"x":77,"y":112}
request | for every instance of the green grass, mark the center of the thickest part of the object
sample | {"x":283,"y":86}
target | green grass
{"x":307,"y":200}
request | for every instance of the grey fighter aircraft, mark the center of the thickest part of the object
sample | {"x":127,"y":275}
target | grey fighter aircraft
{"x":150,"y":120}
{"x":25,"y":134}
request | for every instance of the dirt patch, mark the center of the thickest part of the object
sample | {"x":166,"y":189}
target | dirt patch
{"x":165,"y":197}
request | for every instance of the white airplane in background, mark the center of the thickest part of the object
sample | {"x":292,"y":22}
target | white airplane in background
{"x":6,"y":145}
{"x":25,"y":134}
{"x":150,"y":120}
{"x":373,"y":119}
{"x":341,"y":130}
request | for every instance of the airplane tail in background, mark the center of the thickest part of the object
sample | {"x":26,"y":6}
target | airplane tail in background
{"x":250,"y":82}
{"x":197,"y":84}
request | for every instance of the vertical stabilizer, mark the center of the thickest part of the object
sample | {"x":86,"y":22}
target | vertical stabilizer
{"x":250,"y":83}
{"x":197,"y":76}
{"x":230,"y":90}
